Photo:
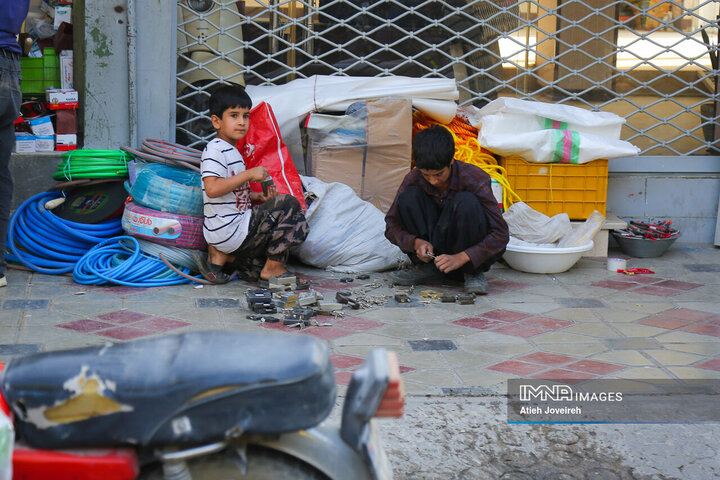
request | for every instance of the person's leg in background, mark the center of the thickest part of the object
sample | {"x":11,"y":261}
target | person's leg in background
{"x":10,"y":98}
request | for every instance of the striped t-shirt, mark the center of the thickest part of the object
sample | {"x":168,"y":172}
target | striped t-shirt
{"x":226,"y":217}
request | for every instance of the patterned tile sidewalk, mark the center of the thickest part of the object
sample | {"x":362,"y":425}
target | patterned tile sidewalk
{"x":584,"y":323}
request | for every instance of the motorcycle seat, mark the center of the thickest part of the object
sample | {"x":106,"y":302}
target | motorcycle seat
{"x":188,"y":388}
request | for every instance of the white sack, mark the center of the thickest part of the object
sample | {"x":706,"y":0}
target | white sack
{"x":526,"y":223}
{"x":347,"y":234}
{"x":292,"y":101}
{"x":533,"y":115}
{"x":549,"y":133}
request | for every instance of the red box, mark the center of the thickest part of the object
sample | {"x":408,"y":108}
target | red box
{"x":65,"y":121}
{"x":58,"y":98}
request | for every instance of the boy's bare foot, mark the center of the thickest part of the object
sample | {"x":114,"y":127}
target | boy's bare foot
{"x":217,"y":257}
{"x":211,"y":272}
{"x":272,"y":268}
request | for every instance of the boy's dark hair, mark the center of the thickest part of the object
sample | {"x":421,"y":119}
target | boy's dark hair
{"x":228,"y":96}
{"x":433,"y":148}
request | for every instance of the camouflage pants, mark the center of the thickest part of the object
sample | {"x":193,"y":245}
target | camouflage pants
{"x":275,"y":227}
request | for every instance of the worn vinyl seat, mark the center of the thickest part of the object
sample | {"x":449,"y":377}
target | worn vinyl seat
{"x":188,"y":388}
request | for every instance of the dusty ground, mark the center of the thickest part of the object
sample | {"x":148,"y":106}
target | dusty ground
{"x":468,"y":438}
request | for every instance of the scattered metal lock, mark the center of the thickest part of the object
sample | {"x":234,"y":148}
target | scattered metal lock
{"x":465,"y":299}
{"x":258,"y":296}
{"x":345,"y":298}
{"x":402,"y":298}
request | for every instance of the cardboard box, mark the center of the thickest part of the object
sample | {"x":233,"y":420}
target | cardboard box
{"x":63,"y":13}
{"x":65,"y":142}
{"x":66,"y":121}
{"x":24,"y":143}
{"x":41,"y":126}
{"x":374,"y":168}
{"x":66,"y":69}
{"x":59,"y":98}
{"x":44,"y":143}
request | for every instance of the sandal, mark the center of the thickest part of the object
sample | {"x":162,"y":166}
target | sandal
{"x":211,"y":272}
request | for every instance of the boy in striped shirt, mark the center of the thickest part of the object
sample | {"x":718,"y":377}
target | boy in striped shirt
{"x":254,"y":240}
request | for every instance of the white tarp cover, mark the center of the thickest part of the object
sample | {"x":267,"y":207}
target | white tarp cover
{"x":347,"y":234}
{"x":291,"y":102}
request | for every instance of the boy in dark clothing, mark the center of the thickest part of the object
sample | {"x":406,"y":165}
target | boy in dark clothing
{"x":445,"y":216}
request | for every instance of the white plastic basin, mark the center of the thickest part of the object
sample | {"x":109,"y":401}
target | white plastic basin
{"x":536,"y":259}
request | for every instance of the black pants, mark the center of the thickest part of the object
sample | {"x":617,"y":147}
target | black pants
{"x":458,"y":225}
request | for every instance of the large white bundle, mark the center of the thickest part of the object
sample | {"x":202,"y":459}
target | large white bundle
{"x":347,"y":234}
{"x":549,"y":133}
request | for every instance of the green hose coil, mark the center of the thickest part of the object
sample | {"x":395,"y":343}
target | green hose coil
{"x":93,"y":164}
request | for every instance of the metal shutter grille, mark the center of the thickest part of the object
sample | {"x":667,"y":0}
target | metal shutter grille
{"x":644,"y":59}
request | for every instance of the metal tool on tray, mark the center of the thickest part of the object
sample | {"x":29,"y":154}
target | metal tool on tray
{"x":652,"y":231}
{"x":634,"y":271}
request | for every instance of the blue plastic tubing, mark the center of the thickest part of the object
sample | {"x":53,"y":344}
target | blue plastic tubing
{"x":46,"y":243}
{"x":120,"y":261}
{"x":168,"y":189}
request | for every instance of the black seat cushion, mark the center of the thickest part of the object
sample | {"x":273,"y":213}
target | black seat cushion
{"x":187,"y":388}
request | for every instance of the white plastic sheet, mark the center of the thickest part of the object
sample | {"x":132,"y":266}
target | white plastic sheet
{"x":324,"y":93}
{"x":347,"y":234}
{"x":549,"y":133}
{"x":583,"y":233}
{"x":529,"y":225}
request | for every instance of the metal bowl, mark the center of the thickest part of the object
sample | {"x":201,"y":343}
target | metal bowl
{"x":643,"y":247}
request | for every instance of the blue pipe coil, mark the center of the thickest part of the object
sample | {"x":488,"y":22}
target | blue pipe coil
{"x":168,"y":189}
{"x":46,"y":243}
{"x":120,"y":261}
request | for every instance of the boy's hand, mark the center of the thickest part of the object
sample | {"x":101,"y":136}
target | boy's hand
{"x":424,"y":250}
{"x":450,"y":263}
{"x":260,"y":197}
{"x":258,"y":174}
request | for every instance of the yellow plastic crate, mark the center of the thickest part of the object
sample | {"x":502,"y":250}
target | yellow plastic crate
{"x":553,"y":188}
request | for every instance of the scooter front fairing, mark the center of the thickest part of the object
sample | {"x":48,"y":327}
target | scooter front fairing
{"x":192,"y":388}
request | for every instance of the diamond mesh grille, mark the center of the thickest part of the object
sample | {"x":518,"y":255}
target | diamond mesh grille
{"x":645,"y":60}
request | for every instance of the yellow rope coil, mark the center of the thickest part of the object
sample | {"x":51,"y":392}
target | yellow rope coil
{"x":469,"y":150}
